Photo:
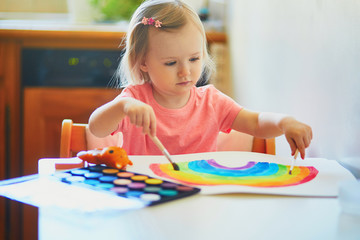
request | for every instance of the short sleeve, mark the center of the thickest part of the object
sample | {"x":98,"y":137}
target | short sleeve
{"x":225,"y":108}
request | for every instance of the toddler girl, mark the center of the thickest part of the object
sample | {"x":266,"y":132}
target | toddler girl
{"x":165,"y":56}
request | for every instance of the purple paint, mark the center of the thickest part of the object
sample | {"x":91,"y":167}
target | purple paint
{"x":137,"y":185}
{"x":119,"y":190}
{"x":213,"y":163}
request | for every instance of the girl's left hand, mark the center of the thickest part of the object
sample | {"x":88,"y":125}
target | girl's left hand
{"x":298,"y":135}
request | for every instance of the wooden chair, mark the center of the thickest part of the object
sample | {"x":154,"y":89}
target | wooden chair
{"x":74,"y":138}
{"x":261,"y":145}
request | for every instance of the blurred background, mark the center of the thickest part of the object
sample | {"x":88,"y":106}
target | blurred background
{"x":301,"y":58}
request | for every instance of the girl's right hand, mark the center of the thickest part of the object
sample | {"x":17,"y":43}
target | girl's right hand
{"x":142,"y":115}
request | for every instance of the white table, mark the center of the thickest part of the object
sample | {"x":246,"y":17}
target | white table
{"x":230,"y":216}
{"x":224,"y":216}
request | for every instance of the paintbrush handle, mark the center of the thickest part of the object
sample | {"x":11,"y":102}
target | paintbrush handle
{"x":293,"y":160}
{"x":157,"y":143}
{"x":296,"y":154}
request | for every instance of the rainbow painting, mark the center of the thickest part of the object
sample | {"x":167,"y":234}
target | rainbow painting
{"x":254,"y":174}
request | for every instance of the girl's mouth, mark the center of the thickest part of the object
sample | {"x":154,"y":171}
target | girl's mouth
{"x":184,"y":83}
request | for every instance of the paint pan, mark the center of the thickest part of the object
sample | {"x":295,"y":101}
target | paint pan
{"x":139,"y":187}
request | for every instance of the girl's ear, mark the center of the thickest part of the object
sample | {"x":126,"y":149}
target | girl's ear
{"x":143,"y":66}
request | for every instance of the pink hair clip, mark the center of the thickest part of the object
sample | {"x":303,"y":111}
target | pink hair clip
{"x":151,"y":21}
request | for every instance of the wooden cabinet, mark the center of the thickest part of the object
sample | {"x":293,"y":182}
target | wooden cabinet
{"x":44,"y":110}
{"x":10,"y":107}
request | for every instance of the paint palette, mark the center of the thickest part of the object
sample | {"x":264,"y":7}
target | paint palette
{"x":140,"y":187}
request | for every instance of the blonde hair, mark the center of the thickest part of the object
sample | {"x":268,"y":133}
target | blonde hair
{"x":173,"y":14}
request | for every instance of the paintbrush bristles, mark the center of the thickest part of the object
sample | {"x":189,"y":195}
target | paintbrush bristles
{"x":293,"y":161}
{"x":167,"y":155}
{"x":164,"y":151}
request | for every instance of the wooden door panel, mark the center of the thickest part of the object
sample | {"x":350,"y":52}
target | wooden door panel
{"x":44,"y":110}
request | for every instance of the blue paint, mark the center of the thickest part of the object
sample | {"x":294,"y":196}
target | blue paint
{"x":259,"y":169}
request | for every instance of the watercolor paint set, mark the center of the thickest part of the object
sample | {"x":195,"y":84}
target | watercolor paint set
{"x":131,"y":185}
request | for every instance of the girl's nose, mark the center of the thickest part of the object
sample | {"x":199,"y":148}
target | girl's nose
{"x":184,"y":70}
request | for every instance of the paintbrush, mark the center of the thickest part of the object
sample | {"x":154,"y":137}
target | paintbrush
{"x":293,"y":161}
{"x":164,"y":151}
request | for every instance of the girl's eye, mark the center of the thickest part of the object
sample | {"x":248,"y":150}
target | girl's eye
{"x":170,"y":63}
{"x":194,"y":59}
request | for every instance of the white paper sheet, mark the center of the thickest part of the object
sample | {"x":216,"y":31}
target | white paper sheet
{"x":49,"y":193}
{"x":325,"y":184}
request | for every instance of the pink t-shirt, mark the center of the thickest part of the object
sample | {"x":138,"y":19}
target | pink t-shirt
{"x":191,"y":129}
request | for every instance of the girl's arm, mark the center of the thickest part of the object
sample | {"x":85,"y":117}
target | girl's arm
{"x":269,"y":125}
{"x":105,"y":119}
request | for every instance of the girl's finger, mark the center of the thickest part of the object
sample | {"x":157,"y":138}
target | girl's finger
{"x":301,"y":146}
{"x":302,"y":153}
{"x":139,"y":120}
{"x":132,"y":119}
{"x":292,"y":145}
{"x":152,"y":123}
{"x":146,"y":124}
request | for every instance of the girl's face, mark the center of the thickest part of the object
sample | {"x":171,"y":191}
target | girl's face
{"x":174,"y":61}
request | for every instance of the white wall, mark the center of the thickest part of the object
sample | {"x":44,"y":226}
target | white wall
{"x":301,"y":57}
